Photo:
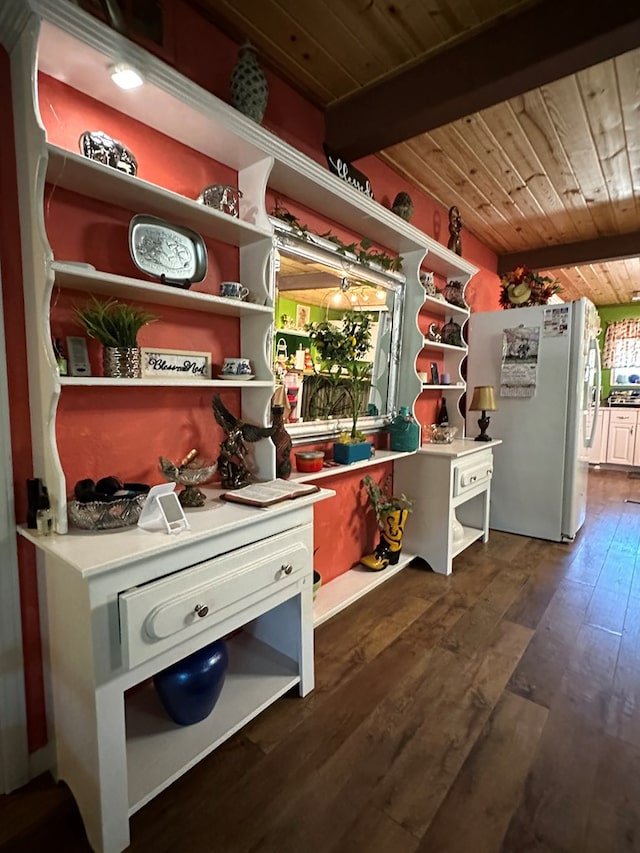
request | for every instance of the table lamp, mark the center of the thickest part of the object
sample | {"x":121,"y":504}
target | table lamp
{"x":483,"y":401}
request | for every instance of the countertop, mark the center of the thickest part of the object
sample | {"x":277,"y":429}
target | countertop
{"x":458,"y":447}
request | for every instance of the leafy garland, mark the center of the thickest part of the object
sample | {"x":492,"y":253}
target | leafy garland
{"x":362,"y":250}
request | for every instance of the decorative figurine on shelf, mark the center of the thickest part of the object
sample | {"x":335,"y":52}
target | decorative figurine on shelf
{"x":426,"y":280}
{"x":391,"y":514}
{"x":232,"y":467}
{"x":403,"y":206}
{"x":100,"y":147}
{"x":190,"y":473}
{"x":454,"y":294}
{"x":452,"y":334}
{"x":455,"y":227}
{"x":282,"y":441}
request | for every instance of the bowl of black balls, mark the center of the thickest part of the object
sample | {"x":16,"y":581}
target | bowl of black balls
{"x":108,"y":504}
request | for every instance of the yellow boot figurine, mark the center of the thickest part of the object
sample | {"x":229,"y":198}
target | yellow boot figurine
{"x":390,"y":545}
{"x":391,"y":514}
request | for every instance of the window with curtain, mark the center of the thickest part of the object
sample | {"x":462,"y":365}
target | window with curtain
{"x":622,"y":351}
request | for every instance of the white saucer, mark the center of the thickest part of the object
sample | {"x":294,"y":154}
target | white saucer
{"x":240,"y":377}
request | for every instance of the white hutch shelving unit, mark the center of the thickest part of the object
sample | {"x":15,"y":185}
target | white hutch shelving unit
{"x":102,"y":737}
{"x":451,"y":358}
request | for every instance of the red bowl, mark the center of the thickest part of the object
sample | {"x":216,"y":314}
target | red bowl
{"x":308,"y":461}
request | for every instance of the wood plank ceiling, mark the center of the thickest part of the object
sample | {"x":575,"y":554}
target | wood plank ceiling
{"x":557,"y":165}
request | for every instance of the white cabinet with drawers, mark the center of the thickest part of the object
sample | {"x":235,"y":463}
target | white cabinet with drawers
{"x":121,"y":607}
{"x":449,"y":483}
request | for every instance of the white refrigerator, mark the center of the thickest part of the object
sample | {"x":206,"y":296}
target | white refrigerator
{"x":539,"y":485}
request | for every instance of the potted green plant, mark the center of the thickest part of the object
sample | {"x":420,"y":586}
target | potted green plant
{"x":342,"y":351}
{"x":391,"y":512}
{"x":116,"y":325}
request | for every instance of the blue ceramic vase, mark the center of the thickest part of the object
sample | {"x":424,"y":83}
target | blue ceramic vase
{"x":190,"y":688}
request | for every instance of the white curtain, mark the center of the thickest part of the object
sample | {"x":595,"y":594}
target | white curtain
{"x":622,"y":344}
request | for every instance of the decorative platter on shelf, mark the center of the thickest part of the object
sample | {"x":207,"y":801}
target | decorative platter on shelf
{"x":239,"y":377}
{"x":174,"y":254}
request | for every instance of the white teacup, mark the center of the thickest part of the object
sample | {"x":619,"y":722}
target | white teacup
{"x":236,"y":367}
{"x":233,"y":290}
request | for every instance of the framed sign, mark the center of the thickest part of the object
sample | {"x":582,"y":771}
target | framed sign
{"x":175,"y":364}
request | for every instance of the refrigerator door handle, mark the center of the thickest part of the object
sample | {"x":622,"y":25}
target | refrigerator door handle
{"x":593,"y":347}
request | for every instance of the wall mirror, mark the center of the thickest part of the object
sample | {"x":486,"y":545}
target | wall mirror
{"x":316,"y":282}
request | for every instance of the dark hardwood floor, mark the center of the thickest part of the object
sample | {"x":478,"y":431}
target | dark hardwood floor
{"x":495,"y":710}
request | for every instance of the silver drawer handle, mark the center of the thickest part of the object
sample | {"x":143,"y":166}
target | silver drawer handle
{"x":472,"y":479}
{"x":201,"y":610}
{"x":287,"y":569}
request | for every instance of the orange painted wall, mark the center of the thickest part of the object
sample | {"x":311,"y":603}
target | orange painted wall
{"x":171,"y":420}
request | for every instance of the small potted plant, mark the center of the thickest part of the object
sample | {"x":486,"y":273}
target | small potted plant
{"x":342,"y":351}
{"x":391,"y":512}
{"x":116,"y":325}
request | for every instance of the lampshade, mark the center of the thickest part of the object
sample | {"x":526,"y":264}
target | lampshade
{"x":484,"y":399}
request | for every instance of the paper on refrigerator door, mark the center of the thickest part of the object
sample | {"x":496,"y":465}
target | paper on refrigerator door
{"x":519,"y":369}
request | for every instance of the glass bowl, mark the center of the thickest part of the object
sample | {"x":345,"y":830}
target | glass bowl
{"x":106,"y":515}
{"x":441,"y":434}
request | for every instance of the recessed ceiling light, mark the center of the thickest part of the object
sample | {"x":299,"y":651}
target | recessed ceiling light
{"x":126,"y":76}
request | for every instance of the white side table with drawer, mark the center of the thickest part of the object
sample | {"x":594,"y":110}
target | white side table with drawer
{"x":119,"y":607}
{"x":447,"y":482}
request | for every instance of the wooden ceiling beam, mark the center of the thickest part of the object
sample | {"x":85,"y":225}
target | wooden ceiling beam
{"x":517,"y":53}
{"x":601,"y":249}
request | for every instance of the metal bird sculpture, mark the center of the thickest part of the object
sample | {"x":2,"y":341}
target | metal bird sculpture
{"x":231,"y":462}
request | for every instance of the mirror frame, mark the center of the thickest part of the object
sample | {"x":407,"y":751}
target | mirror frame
{"x":320,"y":250}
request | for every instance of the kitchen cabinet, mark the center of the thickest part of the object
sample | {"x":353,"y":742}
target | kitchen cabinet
{"x":621,"y":437}
{"x":449,"y":483}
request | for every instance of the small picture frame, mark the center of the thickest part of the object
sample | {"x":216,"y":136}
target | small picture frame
{"x":303,"y":316}
{"x":435,"y":378}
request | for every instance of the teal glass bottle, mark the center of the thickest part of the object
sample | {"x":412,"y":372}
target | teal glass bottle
{"x":404,"y":431}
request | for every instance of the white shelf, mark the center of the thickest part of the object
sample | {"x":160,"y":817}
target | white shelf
{"x":76,"y":277}
{"x":471,"y":534}
{"x":349,"y":587}
{"x":442,"y":308}
{"x":105,"y":382}
{"x":380,"y":457}
{"x":159,"y":751}
{"x":295,"y":332}
{"x":429,"y":387}
{"x":79,"y":174}
{"x":427,"y":344}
